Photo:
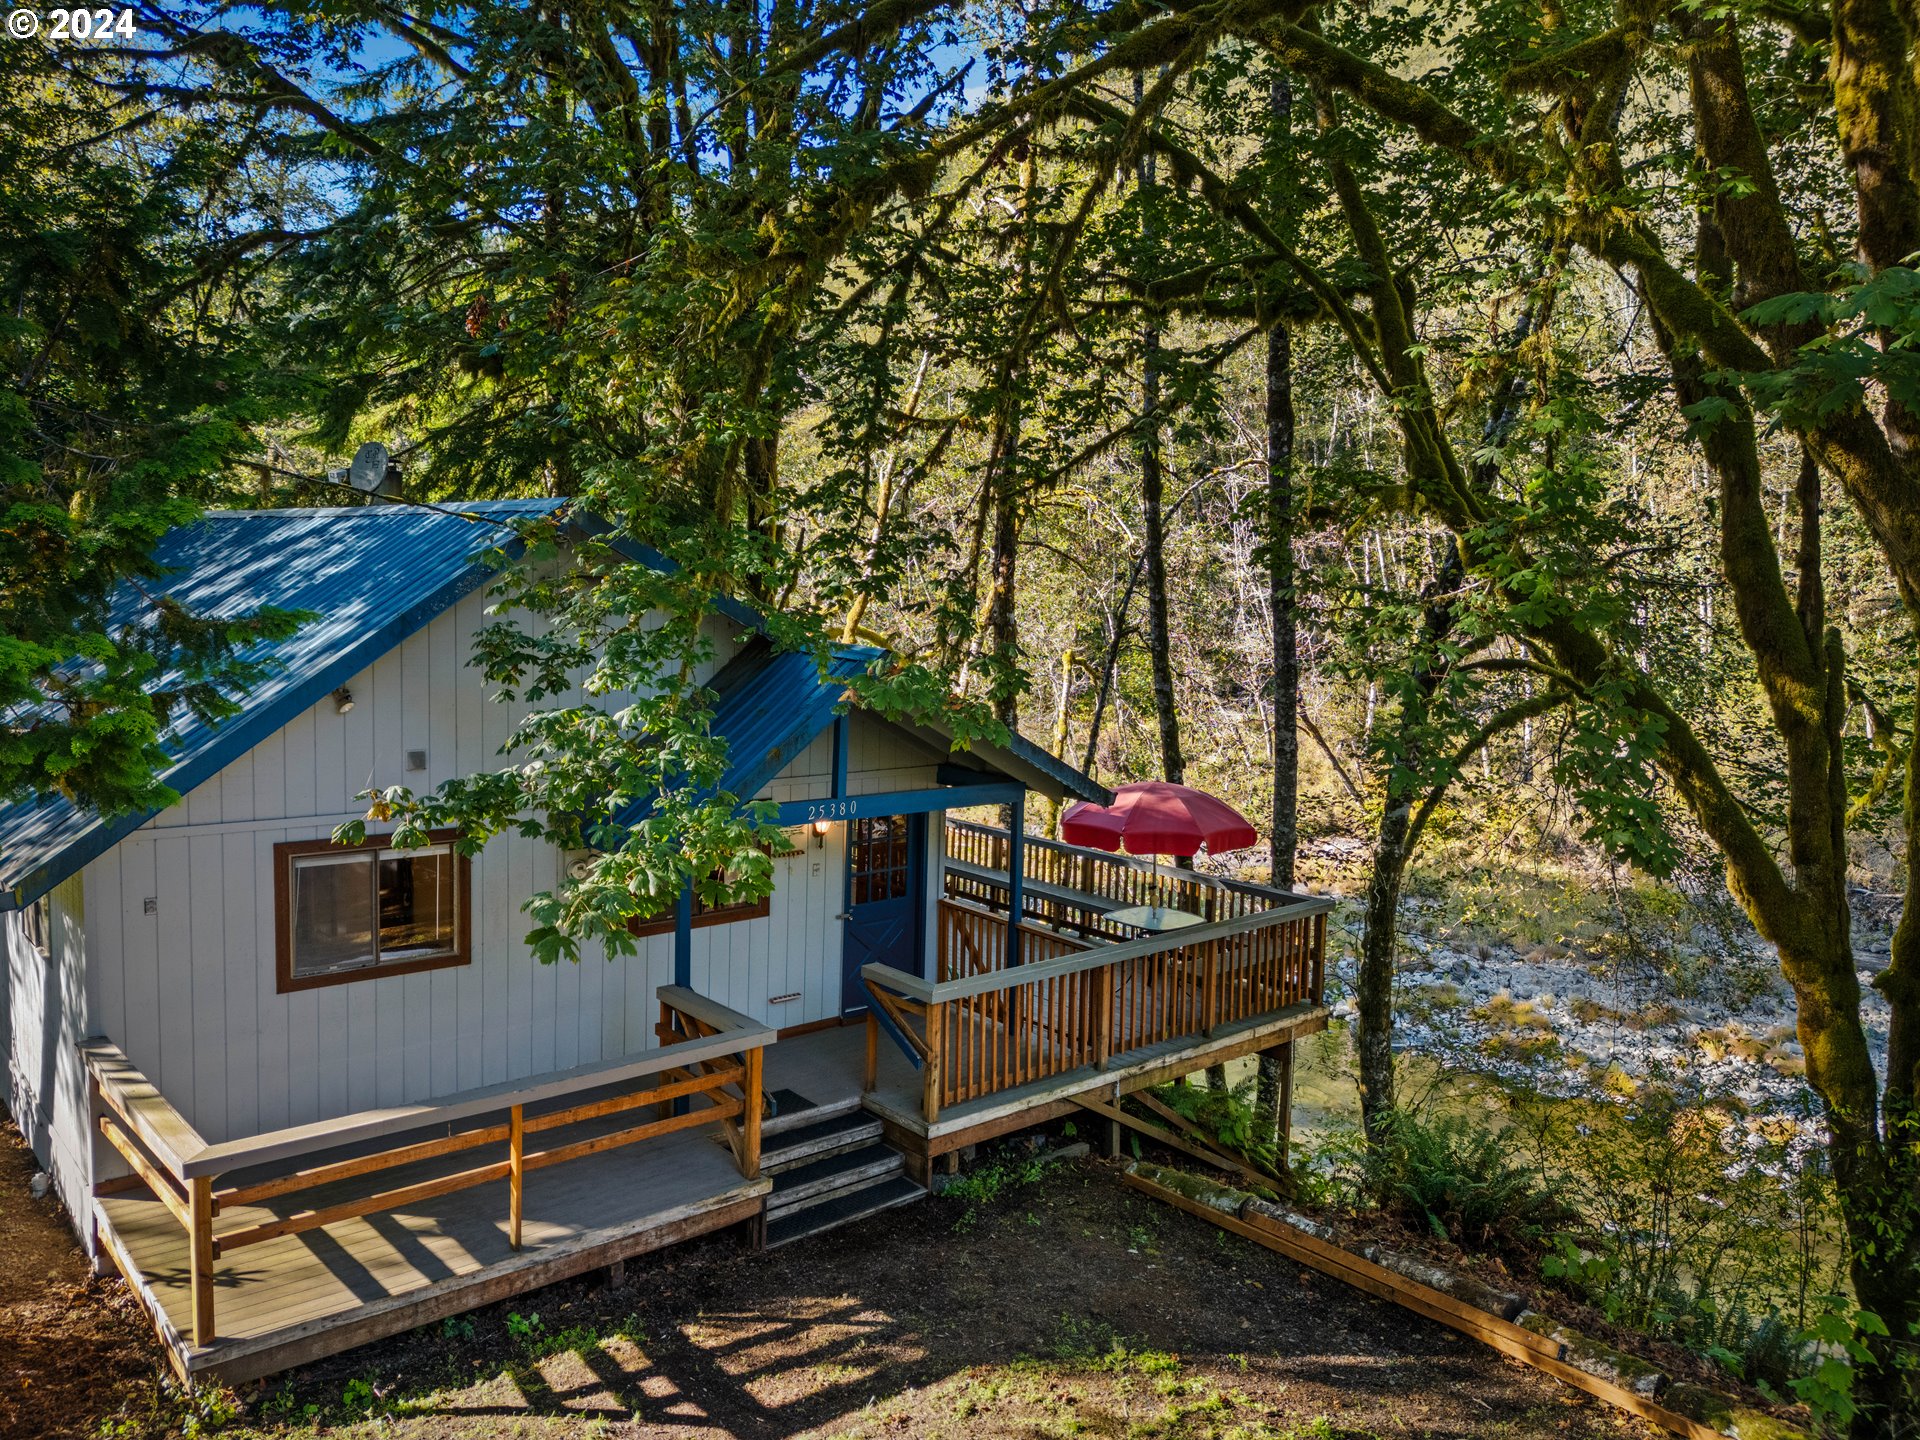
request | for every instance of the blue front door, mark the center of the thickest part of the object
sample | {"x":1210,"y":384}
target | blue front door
{"x":886,"y":889}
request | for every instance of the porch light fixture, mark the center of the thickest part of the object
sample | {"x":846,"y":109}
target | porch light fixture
{"x":820,"y":829}
{"x":342,"y":700}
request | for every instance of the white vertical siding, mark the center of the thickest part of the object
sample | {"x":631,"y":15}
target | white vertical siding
{"x":188,"y":991}
{"x":47,"y":1015}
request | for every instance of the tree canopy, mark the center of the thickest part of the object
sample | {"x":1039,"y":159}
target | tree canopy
{"x":1549,"y":368}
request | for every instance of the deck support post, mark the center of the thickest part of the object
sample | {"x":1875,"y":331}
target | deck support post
{"x":683,"y":937}
{"x":516,"y":1173}
{"x":683,"y":965}
{"x":870,"y":1077}
{"x":200,"y":1270}
{"x":750,"y":1118}
{"x":1283,"y":1053}
{"x":933,"y":1068}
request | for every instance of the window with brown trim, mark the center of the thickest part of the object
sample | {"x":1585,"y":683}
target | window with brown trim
{"x":356,"y":912}
{"x":661,"y":922}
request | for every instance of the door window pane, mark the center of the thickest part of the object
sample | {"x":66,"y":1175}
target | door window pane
{"x":332,"y":912}
{"x":880,"y":859}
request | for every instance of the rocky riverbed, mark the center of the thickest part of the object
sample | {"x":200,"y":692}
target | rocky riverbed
{"x":1705,"y":1012}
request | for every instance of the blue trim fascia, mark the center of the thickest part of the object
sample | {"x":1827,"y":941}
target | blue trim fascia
{"x":252,"y":727}
{"x":899,"y":802}
{"x":778,"y":757}
{"x":1071,"y":778}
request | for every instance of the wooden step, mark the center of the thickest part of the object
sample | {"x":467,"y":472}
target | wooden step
{"x":812,"y":1115}
{"x":842,"y":1209}
{"x":821,"y":1180}
{"x":788,"y":1149}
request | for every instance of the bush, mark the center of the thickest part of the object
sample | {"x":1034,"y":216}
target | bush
{"x":1225,"y":1116}
{"x":1464,"y":1183}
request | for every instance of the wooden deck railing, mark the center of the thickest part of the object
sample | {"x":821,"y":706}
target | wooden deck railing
{"x":1113,"y":880}
{"x":972,"y":940}
{"x":706,"y":1052}
{"x":985,"y":1027}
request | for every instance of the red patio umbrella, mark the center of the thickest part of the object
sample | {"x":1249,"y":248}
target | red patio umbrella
{"x":1157,"y":817}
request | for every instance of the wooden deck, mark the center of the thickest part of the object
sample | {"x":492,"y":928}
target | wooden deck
{"x":300,"y":1297}
{"x":256,"y":1254}
{"x":292,"y":1300}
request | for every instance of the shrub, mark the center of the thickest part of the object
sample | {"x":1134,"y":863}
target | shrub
{"x":1700,"y":1225}
{"x":1225,"y":1116}
{"x":1464,"y":1183}
{"x":1014,"y":1168}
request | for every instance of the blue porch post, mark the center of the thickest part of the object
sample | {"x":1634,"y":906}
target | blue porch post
{"x":683,"y":937}
{"x":683,"y":963}
{"x":1016,"y":876}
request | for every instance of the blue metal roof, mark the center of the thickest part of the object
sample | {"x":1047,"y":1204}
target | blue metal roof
{"x":374,"y":574}
{"x":771,"y":705}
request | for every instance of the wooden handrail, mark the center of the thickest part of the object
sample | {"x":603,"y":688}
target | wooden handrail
{"x":277,"y":1145}
{"x":930,"y":992}
{"x":169,"y":1139}
{"x":1129,"y":862}
{"x":721,"y":1048}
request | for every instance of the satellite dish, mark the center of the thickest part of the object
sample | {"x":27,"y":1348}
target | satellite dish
{"x":372,"y":470}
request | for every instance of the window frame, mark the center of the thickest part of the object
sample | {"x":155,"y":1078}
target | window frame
{"x":41,"y":943}
{"x":284,"y":855}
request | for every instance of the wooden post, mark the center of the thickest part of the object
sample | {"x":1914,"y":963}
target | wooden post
{"x":1284,"y":1054}
{"x":1103,"y":1018}
{"x":200,"y":1269}
{"x":1016,"y":879}
{"x":933,"y":1067}
{"x":872,"y":1076}
{"x":516,"y":1173}
{"x":750,"y":1121}
{"x":1210,"y":988}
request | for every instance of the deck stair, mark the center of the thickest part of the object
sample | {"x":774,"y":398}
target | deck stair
{"x":830,"y":1167}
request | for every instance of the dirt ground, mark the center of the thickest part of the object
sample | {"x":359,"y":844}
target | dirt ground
{"x":72,"y":1348}
{"x":1065,"y":1306}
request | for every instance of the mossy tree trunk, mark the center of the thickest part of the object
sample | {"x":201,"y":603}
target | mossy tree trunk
{"x":1745,"y":253}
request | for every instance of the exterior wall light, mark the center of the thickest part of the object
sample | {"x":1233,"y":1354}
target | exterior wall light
{"x":820,"y":829}
{"x":343,"y":700}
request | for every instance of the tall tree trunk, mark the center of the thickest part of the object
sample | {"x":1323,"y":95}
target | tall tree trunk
{"x":1373,"y":986}
{"x":1282,"y":607}
{"x":1270,"y":1092}
{"x":1003,"y":639}
{"x":1152,"y":503}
